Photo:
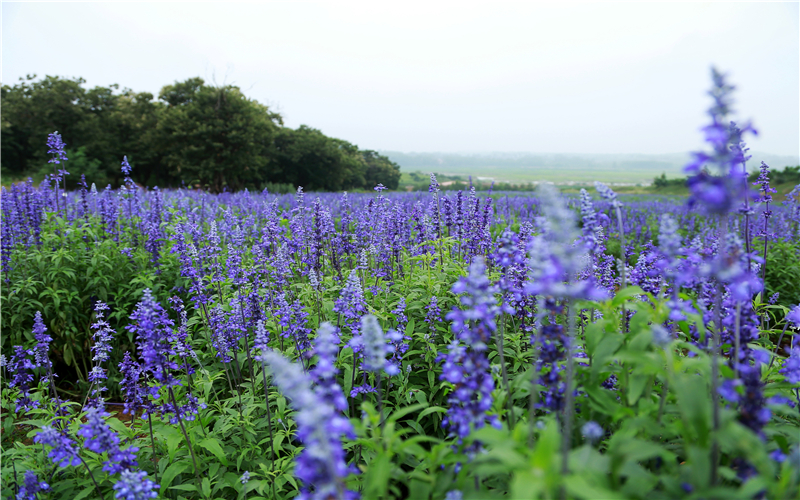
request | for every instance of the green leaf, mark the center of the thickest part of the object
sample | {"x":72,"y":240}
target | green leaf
{"x":172,"y":471}
{"x":213,"y":445}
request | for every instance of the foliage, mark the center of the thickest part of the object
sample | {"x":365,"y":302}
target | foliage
{"x":194,"y":134}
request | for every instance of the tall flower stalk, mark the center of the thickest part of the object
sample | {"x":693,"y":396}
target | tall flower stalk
{"x":718,"y":195}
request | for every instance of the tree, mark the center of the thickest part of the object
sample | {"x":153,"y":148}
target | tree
{"x":214,"y":137}
{"x":380,"y":170}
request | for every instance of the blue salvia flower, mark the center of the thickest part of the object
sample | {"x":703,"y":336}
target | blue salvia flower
{"x":152,"y":326}
{"x":373,"y":346}
{"x":42,"y":348}
{"x":592,"y":231}
{"x":56,"y":145}
{"x":433,"y":314}
{"x":21,"y":369}
{"x":400,"y":314}
{"x":132,"y":391}
{"x":721,"y":193}
{"x":321,"y":465}
{"x":261,"y":340}
{"x":99,"y":438}
{"x":31,"y":486}
{"x":135,"y":485}
{"x":607,"y":194}
{"x":102,"y":336}
{"x":324,"y":373}
{"x":554,"y":259}
{"x":64,"y":452}
{"x":434,"y":186}
{"x":793,"y":316}
{"x":468,"y":369}
{"x":245,"y":477}
{"x":791,"y":367}
{"x":592,"y":432}
{"x":350,"y":303}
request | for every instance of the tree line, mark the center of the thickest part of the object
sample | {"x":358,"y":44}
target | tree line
{"x":193,"y":134}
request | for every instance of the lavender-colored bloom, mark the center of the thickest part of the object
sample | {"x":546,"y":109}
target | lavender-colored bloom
{"x":454,"y":495}
{"x":793,"y":317}
{"x":245,"y":477}
{"x":434,"y":186}
{"x":400,"y":314}
{"x":324,"y":373}
{"x":126,"y":167}
{"x":135,"y":485}
{"x":721,"y":193}
{"x":433,"y":313}
{"x":56,"y":145}
{"x":763,"y":183}
{"x":791,"y":367}
{"x":21,"y":369}
{"x":555,"y":260}
{"x":321,"y":465}
{"x":607,"y":194}
{"x":152,"y":326}
{"x":29,"y":489}
{"x":64,"y":452}
{"x":592,"y":231}
{"x":102,"y":336}
{"x":350,"y":303}
{"x":661,"y":336}
{"x":42,"y":341}
{"x":99,"y":437}
{"x":374,"y":347}
{"x":362,"y":389}
{"x":132,"y":392}
{"x":592,"y":432}
{"x":468,"y":369}
{"x":380,"y":187}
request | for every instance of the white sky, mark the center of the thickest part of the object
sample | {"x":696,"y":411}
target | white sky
{"x":449,"y":76}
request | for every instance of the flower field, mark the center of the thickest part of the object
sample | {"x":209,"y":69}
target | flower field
{"x":178,"y":344}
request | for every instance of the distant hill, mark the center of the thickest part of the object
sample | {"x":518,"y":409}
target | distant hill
{"x":561,"y":167}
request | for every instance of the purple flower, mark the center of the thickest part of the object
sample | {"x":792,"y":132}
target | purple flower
{"x":324,"y":373}
{"x":64,"y":452}
{"x":135,"y":486}
{"x":152,"y":327}
{"x":468,"y":369}
{"x":592,"y":432}
{"x":434,"y":186}
{"x":102,"y":336}
{"x":607,"y":194}
{"x":31,"y":486}
{"x":555,"y":260}
{"x":791,"y":367}
{"x":433,"y":314}
{"x":56,"y":145}
{"x":350,"y":303}
{"x":321,"y":465}
{"x":132,"y":391}
{"x":245,"y":477}
{"x":99,"y":436}
{"x":793,"y":317}
{"x":721,"y":193}
{"x":21,"y":369}
{"x":373,"y":347}
{"x":42,"y":341}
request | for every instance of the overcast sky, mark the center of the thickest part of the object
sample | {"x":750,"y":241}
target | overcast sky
{"x":449,"y":76}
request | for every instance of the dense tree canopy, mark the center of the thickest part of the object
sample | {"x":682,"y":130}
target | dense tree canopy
{"x":212,"y":137}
